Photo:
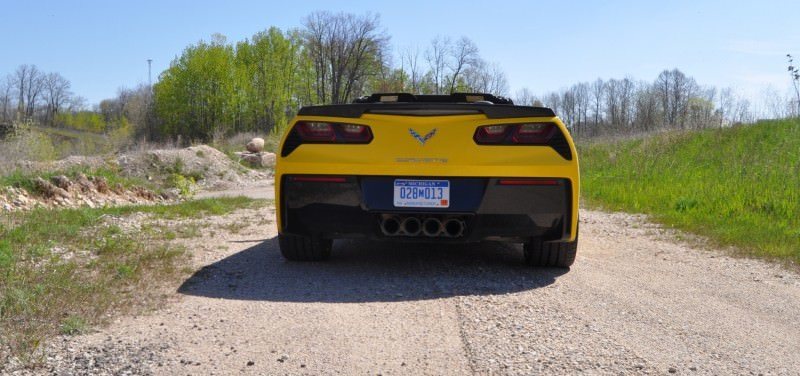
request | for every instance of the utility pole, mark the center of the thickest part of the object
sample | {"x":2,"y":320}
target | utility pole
{"x":150,"y":72}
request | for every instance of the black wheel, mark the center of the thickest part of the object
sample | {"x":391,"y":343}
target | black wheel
{"x":558,"y":254}
{"x":304,"y":248}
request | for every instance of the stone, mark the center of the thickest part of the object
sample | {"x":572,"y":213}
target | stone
{"x":101,"y":184}
{"x":264,"y":159}
{"x":84,"y":183}
{"x":48,"y":189}
{"x":62,"y":182}
{"x":267,"y":159}
{"x":255,"y":145}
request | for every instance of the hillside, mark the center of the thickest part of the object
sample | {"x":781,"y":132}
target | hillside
{"x":738,"y":186}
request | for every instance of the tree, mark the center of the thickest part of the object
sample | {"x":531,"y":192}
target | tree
{"x":483,"y":77}
{"x":410,"y":58}
{"x":194,"y":96}
{"x":34,"y":81}
{"x":5,"y":99}
{"x":56,"y":94}
{"x":597,"y":93}
{"x":463,"y":55}
{"x":524,"y":97}
{"x":266,"y":74}
{"x":346,"y":50}
{"x":794,"y":74}
{"x":436,"y":55}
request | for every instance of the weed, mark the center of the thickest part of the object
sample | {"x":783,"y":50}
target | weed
{"x":182,"y":183}
{"x":73,"y":325}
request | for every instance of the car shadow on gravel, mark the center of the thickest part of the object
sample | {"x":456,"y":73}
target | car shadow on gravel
{"x":361,"y":271}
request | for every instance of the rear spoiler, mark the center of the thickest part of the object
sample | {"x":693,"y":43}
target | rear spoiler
{"x":492,"y":111}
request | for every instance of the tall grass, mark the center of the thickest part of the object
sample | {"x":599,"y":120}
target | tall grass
{"x":738,"y":186}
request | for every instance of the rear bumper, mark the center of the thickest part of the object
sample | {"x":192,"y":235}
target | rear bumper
{"x":353,"y":207}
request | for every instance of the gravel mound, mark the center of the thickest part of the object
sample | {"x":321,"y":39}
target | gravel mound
{"x":211,"y":168}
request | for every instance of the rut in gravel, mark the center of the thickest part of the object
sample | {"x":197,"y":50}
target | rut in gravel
{"x":636,"y":301}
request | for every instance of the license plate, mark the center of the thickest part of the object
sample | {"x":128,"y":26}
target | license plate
{"x":421,"y":193}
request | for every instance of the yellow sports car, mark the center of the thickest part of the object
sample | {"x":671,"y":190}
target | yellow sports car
{"x":432,"y":168}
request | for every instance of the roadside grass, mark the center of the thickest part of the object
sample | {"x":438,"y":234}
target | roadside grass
{"x":63,"y":271}
{"x":738,"y":186}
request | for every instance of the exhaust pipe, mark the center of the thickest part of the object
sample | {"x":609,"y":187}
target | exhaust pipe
{"x":411,"y":226}
{"x":390,"y":226}
{"x":454,"y":227}
{"x":432,"y":227}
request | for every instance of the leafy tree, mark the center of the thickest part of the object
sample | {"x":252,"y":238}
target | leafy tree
{"x":196,"y":95}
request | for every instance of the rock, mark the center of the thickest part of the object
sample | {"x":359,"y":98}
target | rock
{"x":100,"y":184}
{"x":84,"y":183}
{"x":250,"y":363}
{"x":170,"y":195}
{"x":255,"y":145}
{"x":62,"y":182}
{"x":48,"y":189}
{"x":145,"y":194}
{"x":267,"y":159}
{"x":264,"y":159}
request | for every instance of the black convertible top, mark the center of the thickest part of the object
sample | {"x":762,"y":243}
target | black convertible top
{"x":493,"y":107}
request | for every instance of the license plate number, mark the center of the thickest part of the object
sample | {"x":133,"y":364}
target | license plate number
{"x":421,"y":193}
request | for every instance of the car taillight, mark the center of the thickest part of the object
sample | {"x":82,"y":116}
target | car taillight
{"x":318,"y":132}
{"x":355,"y":132}
{"x":515,"y":134}
{"x":491,"y":133}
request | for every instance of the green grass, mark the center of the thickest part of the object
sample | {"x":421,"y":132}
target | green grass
{"x":737,"y":186}
{"x":62,"y":271}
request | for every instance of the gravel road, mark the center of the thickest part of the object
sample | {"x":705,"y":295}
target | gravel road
{"x":636,"y":302}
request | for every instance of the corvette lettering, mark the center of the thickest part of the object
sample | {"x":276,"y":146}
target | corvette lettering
{"x":421,"y":160}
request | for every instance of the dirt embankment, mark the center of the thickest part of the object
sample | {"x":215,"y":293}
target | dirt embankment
{"x":635,"y":302}
{"x":152,"y":176}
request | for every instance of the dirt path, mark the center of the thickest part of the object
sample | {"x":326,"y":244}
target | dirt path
{"x":636,"y":301}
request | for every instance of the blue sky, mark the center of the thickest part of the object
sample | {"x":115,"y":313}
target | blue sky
{"x":103,"y":45}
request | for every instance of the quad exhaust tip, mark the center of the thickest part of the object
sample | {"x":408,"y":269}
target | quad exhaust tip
{"x":432,"y":227}
{"x":390,"y":226}
{"x":454,"y":227}
{"x":411,"y":226}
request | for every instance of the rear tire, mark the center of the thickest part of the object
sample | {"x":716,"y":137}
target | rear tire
{"x":550,"y":254}
{"x":304,"y":248}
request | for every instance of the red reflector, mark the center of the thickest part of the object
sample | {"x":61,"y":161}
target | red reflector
{"x":526,"y":182}
{"x":319,"y":179}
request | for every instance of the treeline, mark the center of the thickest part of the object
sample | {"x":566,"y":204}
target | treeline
{"x":31,"y":95}
{"x":620,"y":106}
{"x":220,"y":88}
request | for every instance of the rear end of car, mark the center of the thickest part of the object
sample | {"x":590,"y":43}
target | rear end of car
{"x":456,"y":168}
